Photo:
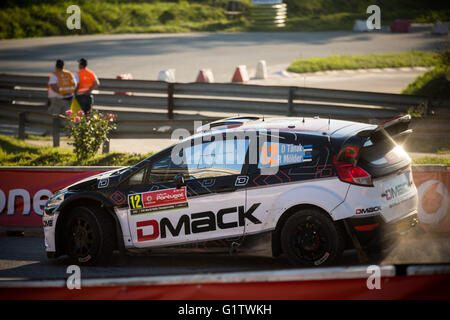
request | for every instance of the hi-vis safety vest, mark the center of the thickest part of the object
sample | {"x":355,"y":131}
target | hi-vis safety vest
{"x":66,"y":84}
{"x":48,"y":85}
{"x":86,"y":78}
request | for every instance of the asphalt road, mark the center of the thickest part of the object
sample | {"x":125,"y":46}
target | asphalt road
{"x":24,"y":258}
{"x":144,"y":55}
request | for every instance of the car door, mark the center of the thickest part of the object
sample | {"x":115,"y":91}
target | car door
{"x":284,"y":161}
{"x":208,"y":206}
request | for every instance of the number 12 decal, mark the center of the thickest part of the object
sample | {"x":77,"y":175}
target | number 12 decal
{"x":273,"y":150}
{"x":135,"y":201}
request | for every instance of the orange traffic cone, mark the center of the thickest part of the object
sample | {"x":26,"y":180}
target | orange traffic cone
{"x":241,"y":74}
{"x":205,"y":75}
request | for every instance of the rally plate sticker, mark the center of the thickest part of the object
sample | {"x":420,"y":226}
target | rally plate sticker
{"x":152,"y":201}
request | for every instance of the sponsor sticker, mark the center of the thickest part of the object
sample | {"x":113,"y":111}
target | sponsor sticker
{"x":103,"y":183}
{"x":278,"y":154}
{"x":159,"y":200}
{"x":47,"y":223}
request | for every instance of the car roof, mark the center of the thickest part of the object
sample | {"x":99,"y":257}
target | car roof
{"x":305,"y":125}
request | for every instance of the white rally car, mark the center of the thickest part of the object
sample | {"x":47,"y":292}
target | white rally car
{"x":308,"y":188}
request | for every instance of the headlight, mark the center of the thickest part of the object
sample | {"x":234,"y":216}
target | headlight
{"x":55,"y":200}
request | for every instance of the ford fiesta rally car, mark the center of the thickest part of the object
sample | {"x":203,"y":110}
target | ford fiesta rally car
{"x":308,"y":188}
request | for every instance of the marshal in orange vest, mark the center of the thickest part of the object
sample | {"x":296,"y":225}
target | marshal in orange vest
{"x":66,"y":83}
{"x":86,"y":80}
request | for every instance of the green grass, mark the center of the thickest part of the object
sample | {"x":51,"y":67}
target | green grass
{"x":37,"y":18}
{"x":39,"y":138}
{"x":432,"y":160}
{"x":15,"y":152}
{"x":390,"y":60}
{"x":434,"y":83}
{"x":444,"y":151}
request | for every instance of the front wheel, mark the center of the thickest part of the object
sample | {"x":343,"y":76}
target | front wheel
{"x":89,"y":236}
{"x":310,"y":238}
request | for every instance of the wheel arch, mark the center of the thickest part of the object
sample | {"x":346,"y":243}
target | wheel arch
{"x":90,"y":202}
{"x":276,"y":234}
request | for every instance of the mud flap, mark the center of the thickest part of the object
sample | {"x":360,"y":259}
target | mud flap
{"x":362,"y":256}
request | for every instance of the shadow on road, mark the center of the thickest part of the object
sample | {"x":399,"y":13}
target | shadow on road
{"x":25,"y":258}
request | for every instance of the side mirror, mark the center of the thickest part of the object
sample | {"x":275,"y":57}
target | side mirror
{"x":179,"y":180}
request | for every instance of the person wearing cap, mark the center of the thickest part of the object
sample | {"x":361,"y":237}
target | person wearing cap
{"x":87,"y":81}
{"x":61,"y":88}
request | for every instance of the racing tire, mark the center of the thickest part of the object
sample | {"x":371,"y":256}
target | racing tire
{"x":310,"y":238}
{"x":89,"y":236}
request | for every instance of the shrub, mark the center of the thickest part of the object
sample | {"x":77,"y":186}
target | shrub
{"x":434,"y":83}
{"x":88,"y":132}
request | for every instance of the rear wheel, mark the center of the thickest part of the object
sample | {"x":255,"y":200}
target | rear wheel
{"x":310,"y":238}
{"x":89,"y":236}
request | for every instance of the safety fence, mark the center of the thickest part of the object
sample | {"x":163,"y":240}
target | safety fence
{"x":336,"y":283}
{"x":146,"y":107}
{"x":24,"y":191}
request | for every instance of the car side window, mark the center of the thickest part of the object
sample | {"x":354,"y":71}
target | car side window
{"x":138,"y":177}
{"x":164,"y":169}
{"x":216,"y":158}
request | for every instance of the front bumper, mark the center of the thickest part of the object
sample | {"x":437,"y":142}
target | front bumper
{"x":49,"y":225}
{"x":374,"y":233}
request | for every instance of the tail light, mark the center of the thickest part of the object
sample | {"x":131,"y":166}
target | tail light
{"x":348,"y":171}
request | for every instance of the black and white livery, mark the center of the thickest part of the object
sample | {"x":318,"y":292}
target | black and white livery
{"x":308,"y":188}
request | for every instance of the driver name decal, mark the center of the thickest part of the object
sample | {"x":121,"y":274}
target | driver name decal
{"x":159,"y":200}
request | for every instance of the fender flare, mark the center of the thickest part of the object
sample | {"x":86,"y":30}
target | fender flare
{"x":303,"y":195}
{"x":287,"y":208}
{"x":104,"y":202}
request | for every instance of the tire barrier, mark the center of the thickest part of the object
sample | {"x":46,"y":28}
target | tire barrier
{"x":267,"y":15}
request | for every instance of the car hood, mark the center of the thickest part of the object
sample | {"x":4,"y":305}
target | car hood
{"x":101,"y":180}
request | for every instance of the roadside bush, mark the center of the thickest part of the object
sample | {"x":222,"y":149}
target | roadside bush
{"x":88,"y":132}
{"x":434,"y":83}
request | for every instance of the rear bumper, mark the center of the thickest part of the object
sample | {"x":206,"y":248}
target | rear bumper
{"x":373,"y":233}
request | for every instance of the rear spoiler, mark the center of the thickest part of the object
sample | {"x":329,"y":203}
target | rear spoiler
{"x":396,"y":128}
{"x":394,"y":124}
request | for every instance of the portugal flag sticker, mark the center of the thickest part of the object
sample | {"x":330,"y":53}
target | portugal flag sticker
{"x":153,"y":201}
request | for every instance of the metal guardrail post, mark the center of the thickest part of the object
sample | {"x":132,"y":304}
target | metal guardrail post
{"x":170,"y":90}
{"x":426,"y":111}
{"x":290,"y":110}
{"x":105,"y":147}
{"x":56,"y":130}
{"x":22,"y":121}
